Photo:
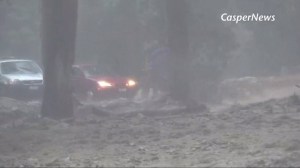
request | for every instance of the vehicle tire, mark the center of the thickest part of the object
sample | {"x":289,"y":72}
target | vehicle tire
{"x":90,"y":95}
{"x":3,"y":92}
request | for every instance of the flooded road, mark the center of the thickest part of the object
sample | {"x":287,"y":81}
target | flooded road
{"x":139,"y":132}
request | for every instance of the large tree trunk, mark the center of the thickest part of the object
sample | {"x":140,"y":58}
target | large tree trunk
{"x":178,"y":42}
{"x":58,"y":41}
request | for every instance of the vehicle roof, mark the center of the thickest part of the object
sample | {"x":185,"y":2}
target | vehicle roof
{"x":83,"y":65}
{"x":12,"y":60}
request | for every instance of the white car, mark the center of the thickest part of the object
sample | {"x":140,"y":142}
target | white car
{"x":20,"y":77}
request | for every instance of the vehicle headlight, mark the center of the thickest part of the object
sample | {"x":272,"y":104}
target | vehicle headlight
{"x":104,"y":84}
{"x":131,"y":83}
{"x":12,"y":82}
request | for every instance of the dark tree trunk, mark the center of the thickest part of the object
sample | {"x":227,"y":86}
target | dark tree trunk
{"x":177,"y":11}
{"x":58,"y":41}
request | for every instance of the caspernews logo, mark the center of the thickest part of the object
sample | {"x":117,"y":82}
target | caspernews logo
{"x":247,"y":18}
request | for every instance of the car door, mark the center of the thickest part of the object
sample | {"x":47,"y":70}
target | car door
{"x":78,"y":80}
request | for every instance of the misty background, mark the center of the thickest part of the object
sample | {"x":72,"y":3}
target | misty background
{"x":122,"y":34}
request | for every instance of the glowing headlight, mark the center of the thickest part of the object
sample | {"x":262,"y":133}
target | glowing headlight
{"x":13,"y":82}
{"x":104,"y":84}
{"x":131,"y":83}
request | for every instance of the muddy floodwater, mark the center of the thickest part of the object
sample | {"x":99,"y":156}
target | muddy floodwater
{"x":142,"y":133}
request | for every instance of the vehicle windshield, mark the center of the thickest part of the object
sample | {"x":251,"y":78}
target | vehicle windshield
{"x":20,"y":67}
{"x":97,"y":70}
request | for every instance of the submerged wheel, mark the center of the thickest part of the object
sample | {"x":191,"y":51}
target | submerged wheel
{"x":3,"y":91}
{"x":90,"y":95}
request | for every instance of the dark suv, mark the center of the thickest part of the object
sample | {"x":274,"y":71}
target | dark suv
{"x":95,"y":82}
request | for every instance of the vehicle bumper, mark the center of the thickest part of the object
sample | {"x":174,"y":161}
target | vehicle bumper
{"x":23,"y":91}
{"x":116,"y":93}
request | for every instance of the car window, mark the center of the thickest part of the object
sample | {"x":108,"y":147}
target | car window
{"x":77,"y":72}
{"x":94,"y":70}
{"x":20,"y":67}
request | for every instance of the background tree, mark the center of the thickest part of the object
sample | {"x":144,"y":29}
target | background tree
{"x":122,"y":33}
{"x":58,"y":42}
{"x":177,"y":12}
{"x":21,"y":29}
{"x":211,"y":43}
